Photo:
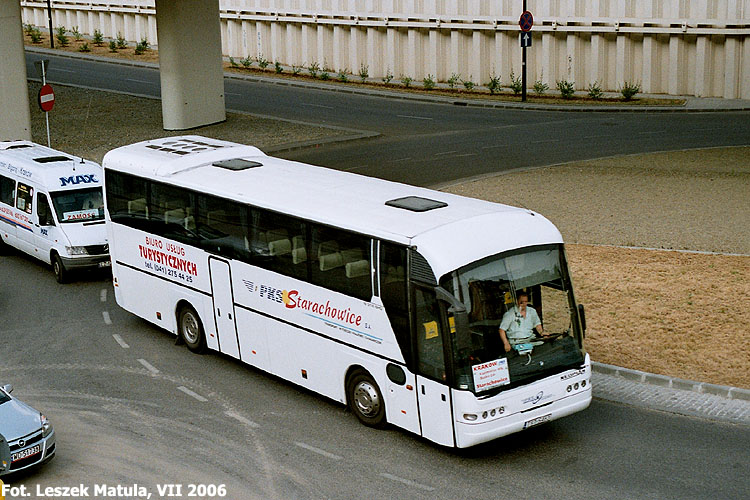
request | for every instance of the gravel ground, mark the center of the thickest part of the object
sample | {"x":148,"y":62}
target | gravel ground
{"x":673,"y":313}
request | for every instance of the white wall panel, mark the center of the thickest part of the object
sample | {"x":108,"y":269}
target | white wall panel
{"x":696,"y":47}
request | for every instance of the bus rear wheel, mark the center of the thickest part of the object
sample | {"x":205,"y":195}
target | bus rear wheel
{"x":191,"y":330}
{"x":61,"y":274}
{"x":365,"y":399}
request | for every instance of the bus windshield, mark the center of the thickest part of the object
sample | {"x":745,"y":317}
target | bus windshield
{"x":80,"y":205}
{"x":490,"y":290}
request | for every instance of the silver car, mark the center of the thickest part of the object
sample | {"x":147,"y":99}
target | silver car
{"x":29,"y":435}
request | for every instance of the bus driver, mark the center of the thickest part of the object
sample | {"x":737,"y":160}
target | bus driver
{"x":519,"y":322}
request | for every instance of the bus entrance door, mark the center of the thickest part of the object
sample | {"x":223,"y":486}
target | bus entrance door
{"x":221,"y":287}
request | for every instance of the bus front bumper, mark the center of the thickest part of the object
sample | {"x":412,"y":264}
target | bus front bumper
{"x":86,"y":261}
{"x":472,"y":434}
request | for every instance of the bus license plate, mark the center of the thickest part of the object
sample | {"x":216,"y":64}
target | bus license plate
{"x":537,"y":421}
{"x":106,"y":263}
{"x":26,"y":453}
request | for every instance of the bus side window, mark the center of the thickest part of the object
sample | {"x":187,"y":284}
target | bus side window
{"x":222,"y":226}
{"x":126,"y":198}
{"x":7,"y":190}
{"x":341,"y":261}
{"x":277,"y":242}
{"x":171,"y":212}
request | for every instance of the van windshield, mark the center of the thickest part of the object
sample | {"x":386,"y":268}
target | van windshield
{"x":80,"y":205}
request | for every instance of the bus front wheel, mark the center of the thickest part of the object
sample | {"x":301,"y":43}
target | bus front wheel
{"x":191,"y":330}
{"x":365,"y":399}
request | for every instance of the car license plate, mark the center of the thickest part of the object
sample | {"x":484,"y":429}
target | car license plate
{"x":537,"y":421}
{"x":106,"y":263}
{"x":26,"y":453}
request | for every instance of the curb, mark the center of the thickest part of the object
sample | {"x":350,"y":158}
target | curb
{"x":727,"y":392}
{"x":394,"y":94}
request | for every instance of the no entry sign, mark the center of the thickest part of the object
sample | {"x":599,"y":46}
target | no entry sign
{"x":46,"y":98}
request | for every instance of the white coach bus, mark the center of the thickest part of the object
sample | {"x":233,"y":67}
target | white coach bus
{"x":379,"y":295}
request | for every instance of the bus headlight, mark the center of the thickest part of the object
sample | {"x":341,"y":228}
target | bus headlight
{"x":76,"y":250}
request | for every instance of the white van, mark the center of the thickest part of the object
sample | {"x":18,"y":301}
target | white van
{"x":51,"y":207}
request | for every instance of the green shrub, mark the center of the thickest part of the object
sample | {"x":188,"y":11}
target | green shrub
{"x":595,"y":90}
{"x":246,"y":62}
{"x":61,"y":37}
{"x":388,"y":77}
{"x":364,"y":72}
{"x":112,"y":46}
{"x":428,"y":82}
{"x":98,"y":38}
{"x":278,"y":67}
{"x":566,"y":88}
{"x":540,"y":87}
{"x":468,"y":84}
{"x":36,"y":36}
{"x":142,"y":47}
{"x":263,"y":62}
{"x":77,"y":36}
{"x":84,"y":47}
{"x":406,"y":80}
{"x":494,"y":84}
{"x":453,"y":80}
{"x":296,"y":70}
{"x":629,"y":90}
{"x":232,"y":62}
{"x":343,"y":75}
{"x":313,"y":69}
{"x":516,"y":84}
{"x":121,"y":42}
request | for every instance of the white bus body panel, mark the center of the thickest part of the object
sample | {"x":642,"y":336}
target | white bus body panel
{"x":539,"y":402}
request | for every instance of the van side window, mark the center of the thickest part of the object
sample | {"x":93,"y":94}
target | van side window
{"x":7,"y":190}
{"x":24,"y":198}
{"x":43,"y":211}
{"x":340,"y":261}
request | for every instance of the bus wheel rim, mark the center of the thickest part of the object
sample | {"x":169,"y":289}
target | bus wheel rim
{"x":190,"y":328}
{"x":366,"y":399}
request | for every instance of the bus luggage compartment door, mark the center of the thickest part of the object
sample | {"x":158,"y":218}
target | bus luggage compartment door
{"x":435,"y":411}
{"x":221,"y":288}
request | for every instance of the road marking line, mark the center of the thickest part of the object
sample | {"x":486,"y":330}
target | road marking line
{"x":546,"y":140}
{"x":137,"y":81}
{"x":119,"y":340}
{"x":103,"y":295}
{"x":148,"y":366}
{"x":496,"y":146}
{"x":414,"y":117}
{"x":317,"y":105}
{"x":232,"y":93}
{"x":407,"y":482}
{"x":242,"y":419}
{"x":446,"y":153}
{"x":192,"y":394}
{"x":107,"y":320}
{"x":64,"y":70}
{"x":318,"y":451}
{"x":400,"y":159}
{"x":467,"y":154}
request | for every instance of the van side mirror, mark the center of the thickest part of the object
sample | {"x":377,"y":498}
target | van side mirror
{"x":582,"y":315}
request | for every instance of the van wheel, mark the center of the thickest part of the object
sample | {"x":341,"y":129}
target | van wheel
{"x":61,"y":274}
{"x":191,"y":330}
{"x":365,"y":399}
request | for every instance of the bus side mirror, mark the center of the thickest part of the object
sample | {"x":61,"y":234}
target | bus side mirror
{"x":582,"y":316}
{"x":457,"y":309}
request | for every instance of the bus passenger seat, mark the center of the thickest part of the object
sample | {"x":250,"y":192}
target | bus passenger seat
{"x":175,"y":216}
{"x":138,"y":207}
{"x":279,"y":247}
{"x":357,"y":268}
{"x":299,"y":252}
{"x":331,"y":261}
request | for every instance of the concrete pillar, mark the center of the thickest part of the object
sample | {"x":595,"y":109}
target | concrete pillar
{"x":15,"y":118}
{"x":192,"y":81}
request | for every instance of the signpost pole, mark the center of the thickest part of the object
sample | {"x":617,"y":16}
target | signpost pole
{"x":523,"y":65}
{"x":49,"y":17}
{"x":46,"y":113}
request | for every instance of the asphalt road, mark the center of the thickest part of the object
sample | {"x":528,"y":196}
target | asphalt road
{"x":433,"y":144}
{"x":129,"y":406}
